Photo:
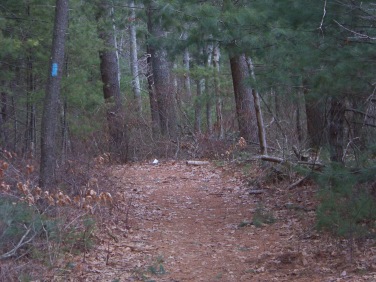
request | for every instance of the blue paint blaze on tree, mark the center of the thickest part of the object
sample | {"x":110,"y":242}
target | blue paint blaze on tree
{"x":54,"y":69}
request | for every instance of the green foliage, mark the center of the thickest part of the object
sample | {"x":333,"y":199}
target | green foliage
{"x":24,"y":230}
{"x":16,"y":221}
{"x":262,"y":216}
{"x":155,"y":269}
{"x":347,"y":207}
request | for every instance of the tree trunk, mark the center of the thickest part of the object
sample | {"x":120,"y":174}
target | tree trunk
{"x":109,"y":68}
{"x":259,"y":117}
{"x":218,"y":106}
{"x":50,"y":109}
{"x":30,"y":137}
{"x":209,"y":102}
{"x":336,"y":129}
{"x":315,"y":119}
{"x":134,"y":58}
{"x":187,"y":78}
{"x":243,"y":97}
{"x":154,"y":112}
{"x":162,"y":81}
{"x":299,"y":130}
{"x":198,"y":106}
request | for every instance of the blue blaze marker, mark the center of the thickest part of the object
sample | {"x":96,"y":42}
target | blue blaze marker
{"x":54,"y":69}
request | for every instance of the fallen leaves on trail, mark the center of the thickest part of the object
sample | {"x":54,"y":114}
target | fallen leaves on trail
{"x":177,"y":222}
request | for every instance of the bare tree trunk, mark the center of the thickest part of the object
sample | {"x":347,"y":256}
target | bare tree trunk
{"x":299,"y":129}
{"x":30,"y":111}
{"x":243,"y":97}
{"x":152,"y":97}
{"x":259,"y":117}
{"x":162,"y":81}
{"x":209,"y":102}
{"x":109,"y":68}
{"x":187,"y":78}
{"x":336,"y":129}
{"x":134,"y":58}
{"x":198,"y":106}
{"x":50,"y":109}
{"x":315,"y":119}
{"x":219,"y":103}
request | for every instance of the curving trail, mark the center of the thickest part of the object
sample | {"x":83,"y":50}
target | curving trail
{"x":185,"y":227}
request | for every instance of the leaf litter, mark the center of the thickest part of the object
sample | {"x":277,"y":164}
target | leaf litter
{"x":175,"y":222}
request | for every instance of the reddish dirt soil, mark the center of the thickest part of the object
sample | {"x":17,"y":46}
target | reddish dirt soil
{"x":177,"y":222}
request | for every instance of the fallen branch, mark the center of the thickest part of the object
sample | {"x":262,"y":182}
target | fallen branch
{"x":197,"y":162}
{"x":21,"y":243}
{"x":298,"y":182}
{"x":283,"y":161}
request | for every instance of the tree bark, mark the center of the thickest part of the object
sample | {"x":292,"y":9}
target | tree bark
{"x":336,"y":129}
{"x":219,"y":104}
{"x":198,"y":107}
{"x":134,"y":58}
{"x":187,"y":78}
{"x":243,"y":97}
{"x":30,"y":138}
{"x":109,"y":68}
{"x":162,"y":80}
{"x":259,"y":117}
{"x":299,"y":130}
{"x":209,"y":102}
{"x":50,"y":109}
{"x":315,"y":119}
{"x":152,"y":96}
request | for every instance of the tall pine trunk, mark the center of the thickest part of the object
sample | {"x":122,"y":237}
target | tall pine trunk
{"x":243,"y":97}
{"x":209,"y":99}
{"x":187,"y":78}
{"x":109,"y":68}
{"x":219,"y":104}
{"x":134,"y":58}
{"x":51,"y":101}
{"x":163,"y":83}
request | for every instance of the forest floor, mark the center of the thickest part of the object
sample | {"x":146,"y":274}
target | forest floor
{"x":177,"y":222}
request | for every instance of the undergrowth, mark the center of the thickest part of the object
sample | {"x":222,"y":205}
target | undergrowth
{"x":38,"y":227}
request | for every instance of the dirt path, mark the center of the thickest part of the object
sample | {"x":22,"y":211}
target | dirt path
{"x":190,"y":224}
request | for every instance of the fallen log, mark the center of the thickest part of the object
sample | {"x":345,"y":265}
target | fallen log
{"x":197,"y":163}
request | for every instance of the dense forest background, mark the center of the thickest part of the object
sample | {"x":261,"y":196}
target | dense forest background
{"x":185,"y":71}
{"x":290,"y":82}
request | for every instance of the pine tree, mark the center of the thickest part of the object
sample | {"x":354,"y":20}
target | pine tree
{"x":49,"y":120}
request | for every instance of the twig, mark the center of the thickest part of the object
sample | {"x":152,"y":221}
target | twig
{"x":21,"y":243}
{"x":323,"y":17}
{"x":355,"y":32}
